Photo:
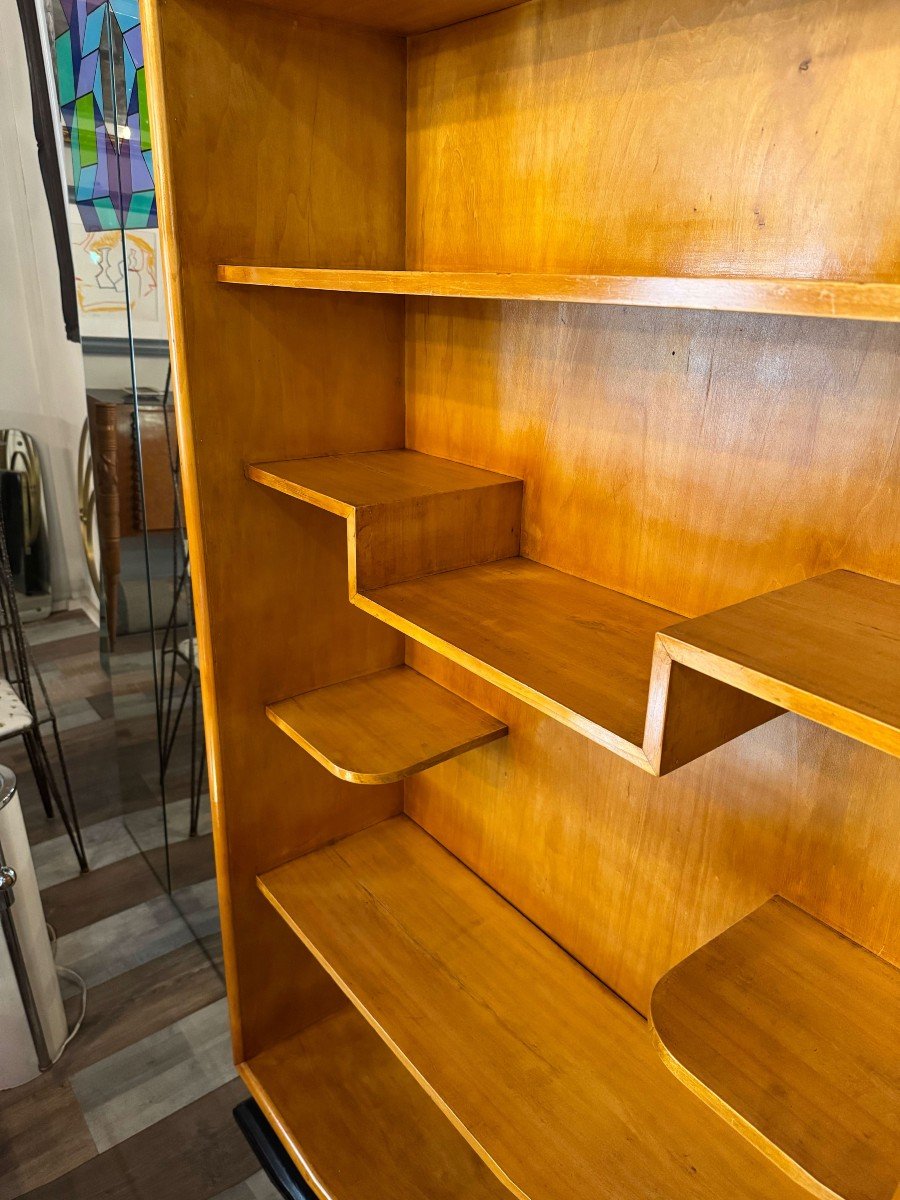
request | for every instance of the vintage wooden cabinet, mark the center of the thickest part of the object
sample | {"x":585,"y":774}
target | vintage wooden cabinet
{"x":538,"y":393}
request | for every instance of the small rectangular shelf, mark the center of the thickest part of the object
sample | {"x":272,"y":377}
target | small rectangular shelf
{"x":789,"y":297}
{"x":790,"y":1031}
{"x":827,"y":648}
{"x":547,"y":1073}
{"x":579,"y":652}
{"x":382,"y":727}
{"x":343,"y":483}
{"x":355,"y":1122}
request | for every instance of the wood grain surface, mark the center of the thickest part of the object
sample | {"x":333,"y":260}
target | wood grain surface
{"x":827,"y":648}
{"x":550,"y":1076}
{"x":383,"y":727}
{"x":795,"y":297}
{"x":789,"y":1031}
{"x":355,"y":1121}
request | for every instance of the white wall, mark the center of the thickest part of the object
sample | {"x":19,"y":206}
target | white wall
{"x":41,"y":376}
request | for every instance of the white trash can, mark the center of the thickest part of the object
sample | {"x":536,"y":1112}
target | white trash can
{"x":32,"y":1018}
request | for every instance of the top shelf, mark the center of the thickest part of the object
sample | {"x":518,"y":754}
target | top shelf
{"x":788,"y":297}
{"x":396,"y":16}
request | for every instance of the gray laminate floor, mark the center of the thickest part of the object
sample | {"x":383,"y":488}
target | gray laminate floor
{"x":139,"y":1107}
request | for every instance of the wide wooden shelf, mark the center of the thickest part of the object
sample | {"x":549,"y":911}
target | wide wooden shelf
{"x":790,"y":297}
{"x":547,"y":1073}
{"x":789,"y":1031}
{"x":576,"y":651}
{"x":355,"y":1122}
{"x":385,"y":726}
{"x":827,"y":648}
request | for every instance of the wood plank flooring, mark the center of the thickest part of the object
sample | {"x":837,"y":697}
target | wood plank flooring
{"x":140,"y":1105}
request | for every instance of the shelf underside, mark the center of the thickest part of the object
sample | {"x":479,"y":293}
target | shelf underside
{"x":548,"y":1074}
{"x":827,"y":648}
{"x":789,"y":1031}
{"x":383,"y":727}
{"x":790,"y":297}
{"x":355,"y":1122}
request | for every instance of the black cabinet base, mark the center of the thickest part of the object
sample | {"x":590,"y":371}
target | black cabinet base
{"x":273,"y":1158}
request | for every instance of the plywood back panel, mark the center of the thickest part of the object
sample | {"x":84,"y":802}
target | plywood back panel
{"x":279,"y":140}
{"x":691,"y":459}
{"x":685,"y":137}
{"x":630,"y":873}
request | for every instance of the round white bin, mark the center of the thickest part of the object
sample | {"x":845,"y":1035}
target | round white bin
{"x":28,"y":981}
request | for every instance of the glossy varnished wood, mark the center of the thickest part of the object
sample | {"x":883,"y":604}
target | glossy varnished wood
{"x":789,"y":1031}
{"x":222,"y":79}
{"x":407,"y":514}
{"x":357,"y":1124}
{"x":549,"y":1075}
{"x":397,"y":16}
{"x":574,"y":650}
{"x":578,"y":652}
{"x":796,"y":297}
{"x":383,"y":727}
{"x":561,"y":136}
{"x":827,"y":648}
{"x":688,"y":458}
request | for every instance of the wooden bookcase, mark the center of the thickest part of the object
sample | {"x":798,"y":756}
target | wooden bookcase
{"x":537,"y":373}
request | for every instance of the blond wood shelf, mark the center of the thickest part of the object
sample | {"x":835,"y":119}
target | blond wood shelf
{"x":433,"y":552}
{"x":407,"y":514}
{"x":355,"y":1122}
{"x":789,"y":1031}
{"x":578,"y":652}
{"x":396,"y":16}
{"x":790,"y":297}
{"x":384,"y":727}
{"x":548,"y":1074}
{"x":827,"y":648}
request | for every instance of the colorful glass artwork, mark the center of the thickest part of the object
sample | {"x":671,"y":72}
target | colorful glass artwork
{"x":103,"y":97}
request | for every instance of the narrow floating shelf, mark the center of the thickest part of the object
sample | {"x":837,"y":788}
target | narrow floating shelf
{"x":549,"y":1075}
{"x":578,"y":652}
{"x":790,"y":1031}
{"x":789,"y":297}
{"x":355,"y":1122}
{"x":827,"y":648}
{"x":383,"y":727}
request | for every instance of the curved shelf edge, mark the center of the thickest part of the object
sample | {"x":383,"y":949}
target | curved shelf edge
{"x":742,"y":1126}
{"x":785,"y":1029}
{"x":381,"y":728}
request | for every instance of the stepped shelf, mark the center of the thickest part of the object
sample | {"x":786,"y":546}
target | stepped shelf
{"x":433,"y":552}
{"x":827,"y":648}
{"x":356,"y":1124}
{"x":549,"y":1075}
{"x":382,"y":727}
{"x":789,"y":297}
{"x":789,"y":1031}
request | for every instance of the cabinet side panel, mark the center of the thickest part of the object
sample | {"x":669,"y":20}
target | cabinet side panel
{"x":277,"y":140}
